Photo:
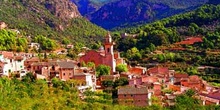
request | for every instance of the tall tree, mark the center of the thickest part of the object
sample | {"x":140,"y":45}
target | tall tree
{"x":103,"y":70}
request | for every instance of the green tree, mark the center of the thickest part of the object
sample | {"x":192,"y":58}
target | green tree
{"x":65,"y":41}
{"x":91,"y":64}
{"x":46,"y":43}
{"x":152,"y":47}
{"x":133,"y":54}
{"x":121,"y":82}
{"x":103,"y":70}
{"x":107,"y":83}
{"x":29,"y":77}
{"x":186,"y":101}
{"x":121,"y":68}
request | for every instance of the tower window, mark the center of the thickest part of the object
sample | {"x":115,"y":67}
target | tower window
{"x":108,"y":49}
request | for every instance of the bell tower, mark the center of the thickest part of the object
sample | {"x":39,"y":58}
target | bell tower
{"x":109,"y":52}
{"x":108,"y":44}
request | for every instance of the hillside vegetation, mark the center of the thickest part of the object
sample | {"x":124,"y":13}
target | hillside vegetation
{"x":204,"y":22}
{"x":55,"y":19}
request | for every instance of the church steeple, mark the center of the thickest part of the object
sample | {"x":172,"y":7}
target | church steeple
{"x":108,"y":44}
{"x":109,"y":52}
{"x":108,"y":38}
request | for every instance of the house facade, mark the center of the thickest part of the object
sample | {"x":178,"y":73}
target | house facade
{"x":134,"y":96}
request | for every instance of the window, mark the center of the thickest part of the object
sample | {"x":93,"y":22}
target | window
{"x":124,"y":95}
{"x":131,"y":95}
{"x":63,"y":74}
{"x":1,"y":70}
{"x":108,"y":49}
{"x":53,"y":67}
{"x":69,"y":73}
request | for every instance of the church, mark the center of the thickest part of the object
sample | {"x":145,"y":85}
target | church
{"x":105,"y":56}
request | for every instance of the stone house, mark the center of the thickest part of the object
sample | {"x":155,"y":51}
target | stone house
{"x":28,"y":62}
{"x":134,"y":96}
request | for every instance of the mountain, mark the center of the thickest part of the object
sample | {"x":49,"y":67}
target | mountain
{"x":90,"y":6}
{"x":52,"y":18}
{"x":214,"y":2}
{"x":114,"y":13}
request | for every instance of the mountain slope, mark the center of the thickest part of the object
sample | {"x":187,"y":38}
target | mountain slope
{"x":204,"y":21}
{"x":90,"y":6}
{"x":55,"y":19}
{"x":122,"y":12}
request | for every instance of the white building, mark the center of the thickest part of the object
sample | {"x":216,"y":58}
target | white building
{"x":10,"y":63}
{"x":89,"y":79}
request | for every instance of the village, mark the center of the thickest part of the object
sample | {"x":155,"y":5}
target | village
{"x":143,"y":83}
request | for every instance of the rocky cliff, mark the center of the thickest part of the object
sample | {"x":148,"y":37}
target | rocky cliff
{"x":63,"y":9}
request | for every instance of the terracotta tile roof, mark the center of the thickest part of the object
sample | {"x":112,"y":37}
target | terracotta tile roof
{"x":7,"y":54}
{"x":179,"y":75}
{"x":215,"y":95}
{"x":65,"y":64}
{"x":150,"y":79}
{"x":19,"y":58}
{"x":158,"y":70}
{"x":137,"y":70}
{"x":33,"y":59}
{"x":194,"y":78}
{"x":40,"y":63}
{"x":132,"y":90}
